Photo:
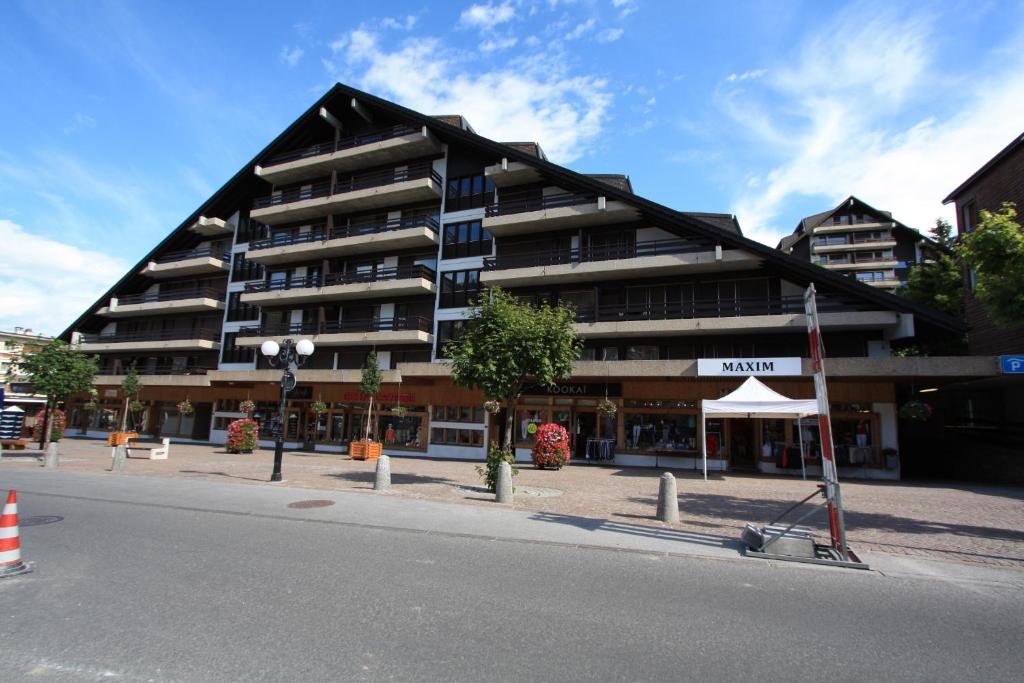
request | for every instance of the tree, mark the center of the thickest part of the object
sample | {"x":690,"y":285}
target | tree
{"x":939,"y":283}
{"x":369,"y":384}
{"x":507,"y":343}
{"x":129,"y":390}
{"x":58,"y":371}
{"x":994,"y":250}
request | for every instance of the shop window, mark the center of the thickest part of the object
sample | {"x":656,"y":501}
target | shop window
{"x":465,"y":239}
{"x":661,"y":432}
{"x":468,"y":414}
{"x":404,"y":431}
{"x":449,"y":436}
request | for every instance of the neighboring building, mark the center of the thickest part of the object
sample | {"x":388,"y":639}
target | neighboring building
{"x":1000,"y":180}
{"x":17,"y":390}
{"x":860,"y":241}
{"x":367,"y":225}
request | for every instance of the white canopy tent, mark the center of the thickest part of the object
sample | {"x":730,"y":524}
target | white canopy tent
{"x":754,"y":399}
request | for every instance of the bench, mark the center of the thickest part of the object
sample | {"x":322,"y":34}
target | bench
{"x":13,"y":444}
{"x":151,"y":452}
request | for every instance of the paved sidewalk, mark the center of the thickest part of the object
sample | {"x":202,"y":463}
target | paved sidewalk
{"x":966,"y":523}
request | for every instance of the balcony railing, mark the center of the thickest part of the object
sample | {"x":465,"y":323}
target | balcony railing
{"x":703,"y":309}
{"x":587,"y":254}
{"x":396,"y":324}
{"x":424,"y":169}
{"x":163,"y":369}
{"x":186,"y":254}
{"x":151,"y":335}
{"x":518,"y":203}
{"x":176,"y":295}
{"x":320,"y":233}
{"x":850,"y":260}
{"x":346,"y":278}
{"x":343,"y":143}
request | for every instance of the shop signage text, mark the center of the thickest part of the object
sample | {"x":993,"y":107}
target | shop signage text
{"x":594,"y":389}
{"x":359,"y":396}
{"x":728,"y":367}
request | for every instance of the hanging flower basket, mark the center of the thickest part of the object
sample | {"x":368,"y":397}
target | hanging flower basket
{"x":607,"y":407}
{"x":318,"y":407}
{"x":550,"y":446}
{"x":185,"y":407}
{"x":247,"y":406}
{"x":399,"y":411}
{"x":492,"y":406}
{"x":91,"y":405}
{"x":136,"y":406}
{"x":918,"y":411}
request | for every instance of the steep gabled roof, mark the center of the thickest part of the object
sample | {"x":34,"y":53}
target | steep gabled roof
{"x":810,"y":222}
{"x":722,"y":221}
{"x":989,"y":165}
{"x":616,"y":180}
{"x":571,"y":180}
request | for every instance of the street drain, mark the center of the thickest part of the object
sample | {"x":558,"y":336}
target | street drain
{"x":41,"y":519}
{"x":311,"y":504}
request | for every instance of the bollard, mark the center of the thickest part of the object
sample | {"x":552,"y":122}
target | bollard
{"x":382,"y":482}
{"x":52,"y":458}
{"x":503,"y":489}
{"x":668,"y":499}
{"x":120,"y":459}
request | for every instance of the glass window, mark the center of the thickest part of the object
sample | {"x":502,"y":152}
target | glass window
{"x":401,"y":432}
{"x":652,"y":432}
{"x":465,"y":239}
{"x":459,"y":288}
{"x":642,"y":353}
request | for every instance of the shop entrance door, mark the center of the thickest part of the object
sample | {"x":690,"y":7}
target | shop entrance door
{"x":742,"y":445}
{"x":586,"y":429}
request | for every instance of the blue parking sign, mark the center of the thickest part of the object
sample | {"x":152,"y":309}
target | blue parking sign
{"x":1011,"y":365}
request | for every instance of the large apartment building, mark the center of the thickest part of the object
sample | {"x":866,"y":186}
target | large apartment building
{"x":859,"y":241}
{"x":366,"y":225}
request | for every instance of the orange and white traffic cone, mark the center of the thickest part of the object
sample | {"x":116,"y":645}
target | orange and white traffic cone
{"x":10,"y":541}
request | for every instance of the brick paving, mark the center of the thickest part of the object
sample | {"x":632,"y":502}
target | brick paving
{"x":972,"y":523}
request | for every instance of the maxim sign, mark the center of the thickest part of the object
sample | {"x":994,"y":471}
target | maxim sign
{"x":762,"y":367}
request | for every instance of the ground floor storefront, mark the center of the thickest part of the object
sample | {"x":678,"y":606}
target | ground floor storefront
{"x":655,"y":423}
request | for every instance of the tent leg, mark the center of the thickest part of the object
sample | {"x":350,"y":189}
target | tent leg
{"x":800,"y":438}
{"x":704,"y":442}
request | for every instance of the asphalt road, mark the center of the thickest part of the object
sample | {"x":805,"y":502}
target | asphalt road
{"x":134,"y":583}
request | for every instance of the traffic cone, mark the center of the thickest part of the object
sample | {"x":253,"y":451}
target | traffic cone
{"x":10,"y":542}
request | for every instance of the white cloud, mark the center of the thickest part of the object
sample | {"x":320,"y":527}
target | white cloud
{"x":864,"y":116}
{"x":494,"y":44}
{"x":291,"y":56}
{"x":406,"y":24}
{"x":527,"y":98}
{"x":531,"y":41}
{"x":581,"y":29}
{"x":79,"y":121}
{"x":610,"y":35}
{"x":487,"y":16}
{"x":625,"y":7}
{"x":45,"y":284}
{"x":746,"y":75}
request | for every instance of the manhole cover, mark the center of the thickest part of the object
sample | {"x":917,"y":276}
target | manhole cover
{"x":40,"y":519}
{"x":311,"y":504}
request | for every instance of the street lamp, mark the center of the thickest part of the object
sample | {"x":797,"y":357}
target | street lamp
{"x":284,"y":355}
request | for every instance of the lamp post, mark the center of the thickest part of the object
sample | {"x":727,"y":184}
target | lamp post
{"x":284,"y":356}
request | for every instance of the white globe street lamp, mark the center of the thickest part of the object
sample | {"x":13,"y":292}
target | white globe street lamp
{"x":284,"y":356}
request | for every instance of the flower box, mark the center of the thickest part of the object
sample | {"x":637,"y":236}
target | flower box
{"x":365,"y":450}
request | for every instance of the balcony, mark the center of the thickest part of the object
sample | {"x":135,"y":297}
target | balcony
{"x":394,"y":331}
{"x":178,"y":301}
{"x":861,"y":264}
{"x":514,"y":215}
{"x":855,"y":227}
{"x":885,"y":283}
{"x":378,"y":148}
{"x":211,"y":227}
{"x":174,"y":374}
{"x":627,"y":261}
{"x":415,"y":183}
{"x":374,"y":284}
{"x":362,"y":238}
{"x":189,"y":262}
{"x":511,"y":173}
{"x":823,"y":248}
{"x":158,"y":340}
{"x":776,"y":314}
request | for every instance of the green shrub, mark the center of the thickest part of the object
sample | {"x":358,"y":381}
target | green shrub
{"x":489,"y":471}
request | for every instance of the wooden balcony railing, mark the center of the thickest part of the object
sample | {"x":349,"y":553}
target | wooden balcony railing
{"x":151,"y":335}
{"x":396,"y":324}
{"x":346,"y":278}
{"x":518,"y":203}
{"x":320,"y":233}
{"x":175,"y":295}
{"x":343,"y":143}
{"x":597,"y":253}
{"x":423,"y":169}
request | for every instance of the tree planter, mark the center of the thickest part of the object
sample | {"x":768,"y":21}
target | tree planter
{"x":365,"y":450}
{"x":120,"y":438}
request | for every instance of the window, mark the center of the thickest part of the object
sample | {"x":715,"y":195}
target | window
{"x":241,"y":311}
{"x":230,"y":353}
{"x":468,"y":192}
{"x":465,"y":239}
{"x":468,"y":414}
{"x":459,"y":288}
{"x":641,"y":353}
{"x":448,"y":330}
{"x":660,"y":432}
{"x":969,"y":216}
{"x":447,"y":436}
{"x":242,"y":269}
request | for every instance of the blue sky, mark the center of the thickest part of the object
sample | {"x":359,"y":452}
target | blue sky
{"x":119,"y":118}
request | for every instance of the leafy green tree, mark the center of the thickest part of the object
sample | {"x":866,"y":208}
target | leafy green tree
{"x":58,"y":371}
{"x":939,"y":283}
{"x":130,"y":388}
{"x":508,"y":343}
{"x":994,"y":250}
{"x":369,"y":384}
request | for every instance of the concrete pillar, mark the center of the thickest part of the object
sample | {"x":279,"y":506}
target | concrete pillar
{"x":668,"y":499}
{"x":52,"y":459}
{"x":120,"y":459}
{"x":382,"y":482}
{"x":503,"y":490}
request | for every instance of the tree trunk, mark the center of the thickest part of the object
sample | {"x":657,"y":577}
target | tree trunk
{"x":124,"y":416}
{"x":510,"y":410}
{"x":44,"y":433}
{"x":369,"y":418}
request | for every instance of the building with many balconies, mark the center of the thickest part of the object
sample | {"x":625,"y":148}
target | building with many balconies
{"x":366,"y":225}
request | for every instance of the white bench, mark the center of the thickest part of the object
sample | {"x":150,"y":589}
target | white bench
{"x":152,"y":452}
